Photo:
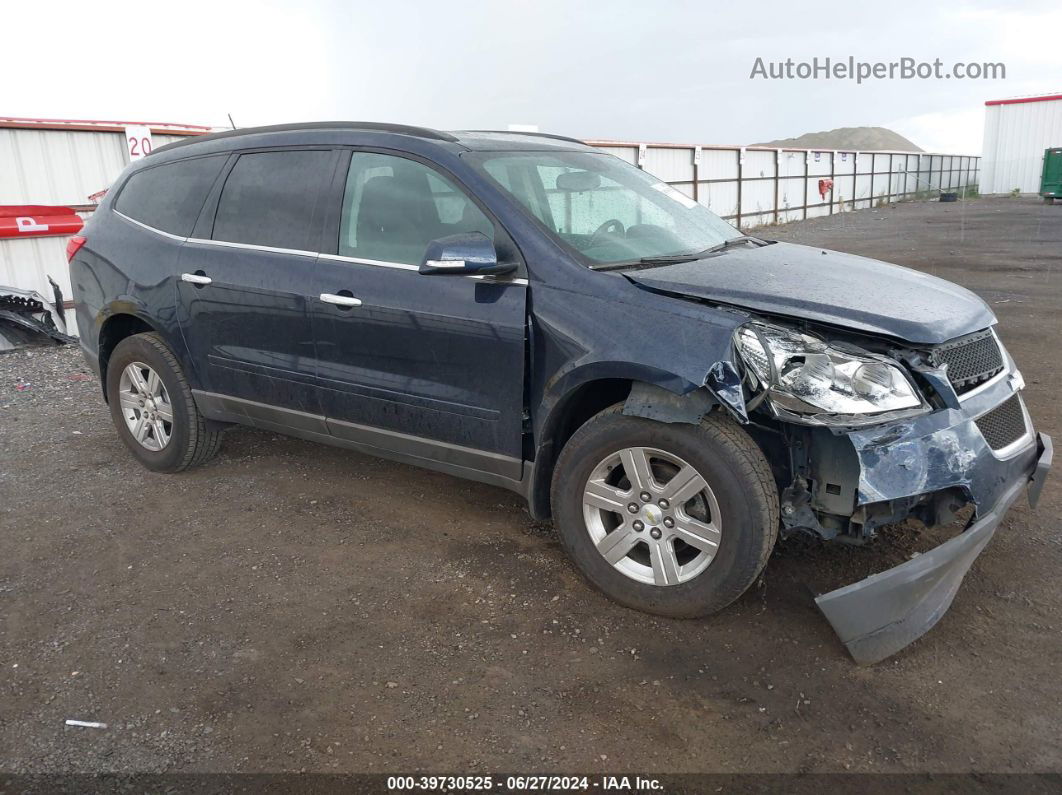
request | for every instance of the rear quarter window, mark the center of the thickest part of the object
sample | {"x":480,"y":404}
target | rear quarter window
{"x":169,"y":197}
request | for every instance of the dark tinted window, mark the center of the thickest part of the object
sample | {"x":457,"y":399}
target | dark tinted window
{"x":269,"y":199}
{"x":394,"y":207}
{"x":170,"y":197}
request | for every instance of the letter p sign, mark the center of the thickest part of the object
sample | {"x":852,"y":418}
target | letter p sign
{"x":26,"y":225}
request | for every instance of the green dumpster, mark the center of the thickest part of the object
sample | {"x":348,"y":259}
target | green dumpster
{"x":1051,"y":182}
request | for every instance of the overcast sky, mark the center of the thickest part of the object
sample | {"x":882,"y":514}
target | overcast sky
{"x":623,"y":69}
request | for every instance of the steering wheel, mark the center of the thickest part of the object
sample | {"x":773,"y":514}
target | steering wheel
{"x":613,"y":226}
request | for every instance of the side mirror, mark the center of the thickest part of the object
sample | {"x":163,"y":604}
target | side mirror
{"x":466,"y":254}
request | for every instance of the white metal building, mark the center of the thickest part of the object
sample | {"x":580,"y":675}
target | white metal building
{"x":1017,"y":131}
{"x":63,"y":162}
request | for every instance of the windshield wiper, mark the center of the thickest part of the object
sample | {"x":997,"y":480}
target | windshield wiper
{"x":663,"y":259}
{"x":674,"y":259}
{"x":669,"y":259}
{"x":733,"y":242}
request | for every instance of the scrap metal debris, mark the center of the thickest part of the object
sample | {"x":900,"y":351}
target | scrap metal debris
{"x":28,"y":318}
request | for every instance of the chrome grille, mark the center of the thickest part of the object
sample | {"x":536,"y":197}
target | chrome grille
{"x":971,"y":360}
{"x":1004,"y":424}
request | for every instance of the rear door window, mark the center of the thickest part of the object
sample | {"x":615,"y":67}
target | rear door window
{"x":270,"y":199}
{"x":169,"y":197}
{"x":393,"y":207}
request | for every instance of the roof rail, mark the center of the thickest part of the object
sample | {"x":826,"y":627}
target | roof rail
{"x":401,"y":129}
{"x":537,"y":134}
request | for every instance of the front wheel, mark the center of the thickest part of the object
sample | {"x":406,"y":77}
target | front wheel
{"x":672,"y":519}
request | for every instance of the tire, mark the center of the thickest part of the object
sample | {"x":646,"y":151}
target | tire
{"x":189,"y":441}
{"x":745,"y":511}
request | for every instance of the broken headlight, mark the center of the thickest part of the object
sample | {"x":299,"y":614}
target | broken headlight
{"x":823,"y":382}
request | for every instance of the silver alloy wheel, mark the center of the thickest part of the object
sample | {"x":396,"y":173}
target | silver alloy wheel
{"x":652,"y":516}
{"x":145,"y":406}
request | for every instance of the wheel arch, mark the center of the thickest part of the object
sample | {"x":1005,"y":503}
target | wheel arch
{"x":587,"y":397}
{"x":121,"y":323}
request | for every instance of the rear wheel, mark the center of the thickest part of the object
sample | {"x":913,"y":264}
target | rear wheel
{"x":672,"y":519}
{"x":152,"y":406}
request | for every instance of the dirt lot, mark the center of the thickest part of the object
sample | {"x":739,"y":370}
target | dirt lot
{"x":293,"y":607}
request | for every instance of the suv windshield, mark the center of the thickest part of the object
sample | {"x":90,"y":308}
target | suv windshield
{"x":606,"y":210}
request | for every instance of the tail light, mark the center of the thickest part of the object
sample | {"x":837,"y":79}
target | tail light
{"x":73,"y":246}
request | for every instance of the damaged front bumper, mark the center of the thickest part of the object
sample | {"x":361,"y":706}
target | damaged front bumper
{"x":970,"y":440}
{"x":898,"y":468}
{"x":882,"y":614}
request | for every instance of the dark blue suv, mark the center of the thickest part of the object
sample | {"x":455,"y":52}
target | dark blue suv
{"x":529,"y":312}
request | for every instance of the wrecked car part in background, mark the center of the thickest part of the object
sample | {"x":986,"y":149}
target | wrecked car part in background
{"x":28,"y":318}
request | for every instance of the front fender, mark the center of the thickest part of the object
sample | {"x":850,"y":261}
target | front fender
{"x":623,"y":332}
{"x":620,"y":335}
{"x":569,"y":381}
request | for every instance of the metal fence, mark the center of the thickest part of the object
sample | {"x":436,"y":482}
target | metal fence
{"x":751,"y":186}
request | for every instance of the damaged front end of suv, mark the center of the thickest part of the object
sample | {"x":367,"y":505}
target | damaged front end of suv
{"x":876,"y":432}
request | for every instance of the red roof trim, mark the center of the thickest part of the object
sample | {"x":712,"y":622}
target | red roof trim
{"x":1020,"y":100}
{"x":15,"y":210}
{"x":162,"y":127}
{"x":108,"y":121}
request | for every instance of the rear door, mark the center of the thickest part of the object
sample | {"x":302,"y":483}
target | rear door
{"x":245,"y":277}
{"x":428,"y":366}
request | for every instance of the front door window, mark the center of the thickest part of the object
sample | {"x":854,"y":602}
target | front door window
{"x":393,"y":207}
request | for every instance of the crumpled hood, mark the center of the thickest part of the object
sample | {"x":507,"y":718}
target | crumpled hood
{"x":829,"y":287}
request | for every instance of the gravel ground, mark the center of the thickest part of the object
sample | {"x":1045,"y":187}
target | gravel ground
{"x":296,"y":607}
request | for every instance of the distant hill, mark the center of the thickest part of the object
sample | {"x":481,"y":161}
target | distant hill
{"x":863,"y":139}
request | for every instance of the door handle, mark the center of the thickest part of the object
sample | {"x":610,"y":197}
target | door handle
{"x":196,"y":278}
{"x":340,"y":300}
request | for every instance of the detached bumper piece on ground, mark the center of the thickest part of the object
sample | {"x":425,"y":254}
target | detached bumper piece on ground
{"x":28,"y":318}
